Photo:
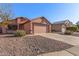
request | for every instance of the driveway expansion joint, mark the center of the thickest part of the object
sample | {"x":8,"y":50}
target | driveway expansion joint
{"x":71,"y":53}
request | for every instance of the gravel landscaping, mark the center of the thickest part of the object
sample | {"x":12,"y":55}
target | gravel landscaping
{"x":30,"y":45}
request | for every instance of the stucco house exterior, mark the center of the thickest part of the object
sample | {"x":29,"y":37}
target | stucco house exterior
{"x":20,"y":23}
{"x":37,"y":25}
{"x":61,"y":26}
{"x":40,"y":25}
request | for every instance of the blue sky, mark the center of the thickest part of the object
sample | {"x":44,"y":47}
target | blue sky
{"x":53,"y":12}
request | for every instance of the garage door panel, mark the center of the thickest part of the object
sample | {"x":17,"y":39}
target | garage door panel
{"x":39,"y":28}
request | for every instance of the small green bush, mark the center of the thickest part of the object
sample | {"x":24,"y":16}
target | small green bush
{"x":20,"y":33}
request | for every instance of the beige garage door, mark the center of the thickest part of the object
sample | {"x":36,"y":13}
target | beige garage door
{"x":39,"y":28}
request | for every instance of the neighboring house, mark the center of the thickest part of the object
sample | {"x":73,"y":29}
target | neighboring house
{"x":37,"y":25}
{"x":61,"y":25}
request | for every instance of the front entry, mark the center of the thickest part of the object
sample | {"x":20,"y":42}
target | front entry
{"x":63,"y":29}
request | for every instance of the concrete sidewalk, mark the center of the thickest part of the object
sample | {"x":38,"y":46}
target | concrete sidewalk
{"x":74,"y":50}
{"x":58,"y":53}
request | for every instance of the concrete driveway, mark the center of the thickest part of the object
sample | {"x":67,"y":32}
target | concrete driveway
{"x":73,"y":40}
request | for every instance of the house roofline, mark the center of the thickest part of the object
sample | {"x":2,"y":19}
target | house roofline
{"x":42,"y":17}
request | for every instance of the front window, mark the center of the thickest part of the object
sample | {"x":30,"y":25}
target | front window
{"x":12,"y":27}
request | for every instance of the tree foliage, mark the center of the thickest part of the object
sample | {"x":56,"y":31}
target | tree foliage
{"x":5,"y":13}
{"x":77,"y":24}
{"x":73,"y":29}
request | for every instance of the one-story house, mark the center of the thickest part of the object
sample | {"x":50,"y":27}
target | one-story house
{"x":37,"y":25}
{"x":60,"y":26}
{"x":20,"y":23}
{"x":40,"y":25}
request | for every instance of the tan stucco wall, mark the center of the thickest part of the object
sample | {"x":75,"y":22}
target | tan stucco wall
{"x":37,"y":20}
{"x":27,"y":27}
{"x":57,"y":27}
{"x":41,"y":22}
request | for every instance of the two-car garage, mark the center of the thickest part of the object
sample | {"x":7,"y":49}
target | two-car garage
{"x":40,"y":25}
{"x":40,"y":28}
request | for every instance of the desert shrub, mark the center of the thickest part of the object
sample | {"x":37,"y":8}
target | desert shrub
{"x":78,"y":27}
{"x":20,"y":33}
{"x":67,"y":32}
{"x":72,"y":29}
